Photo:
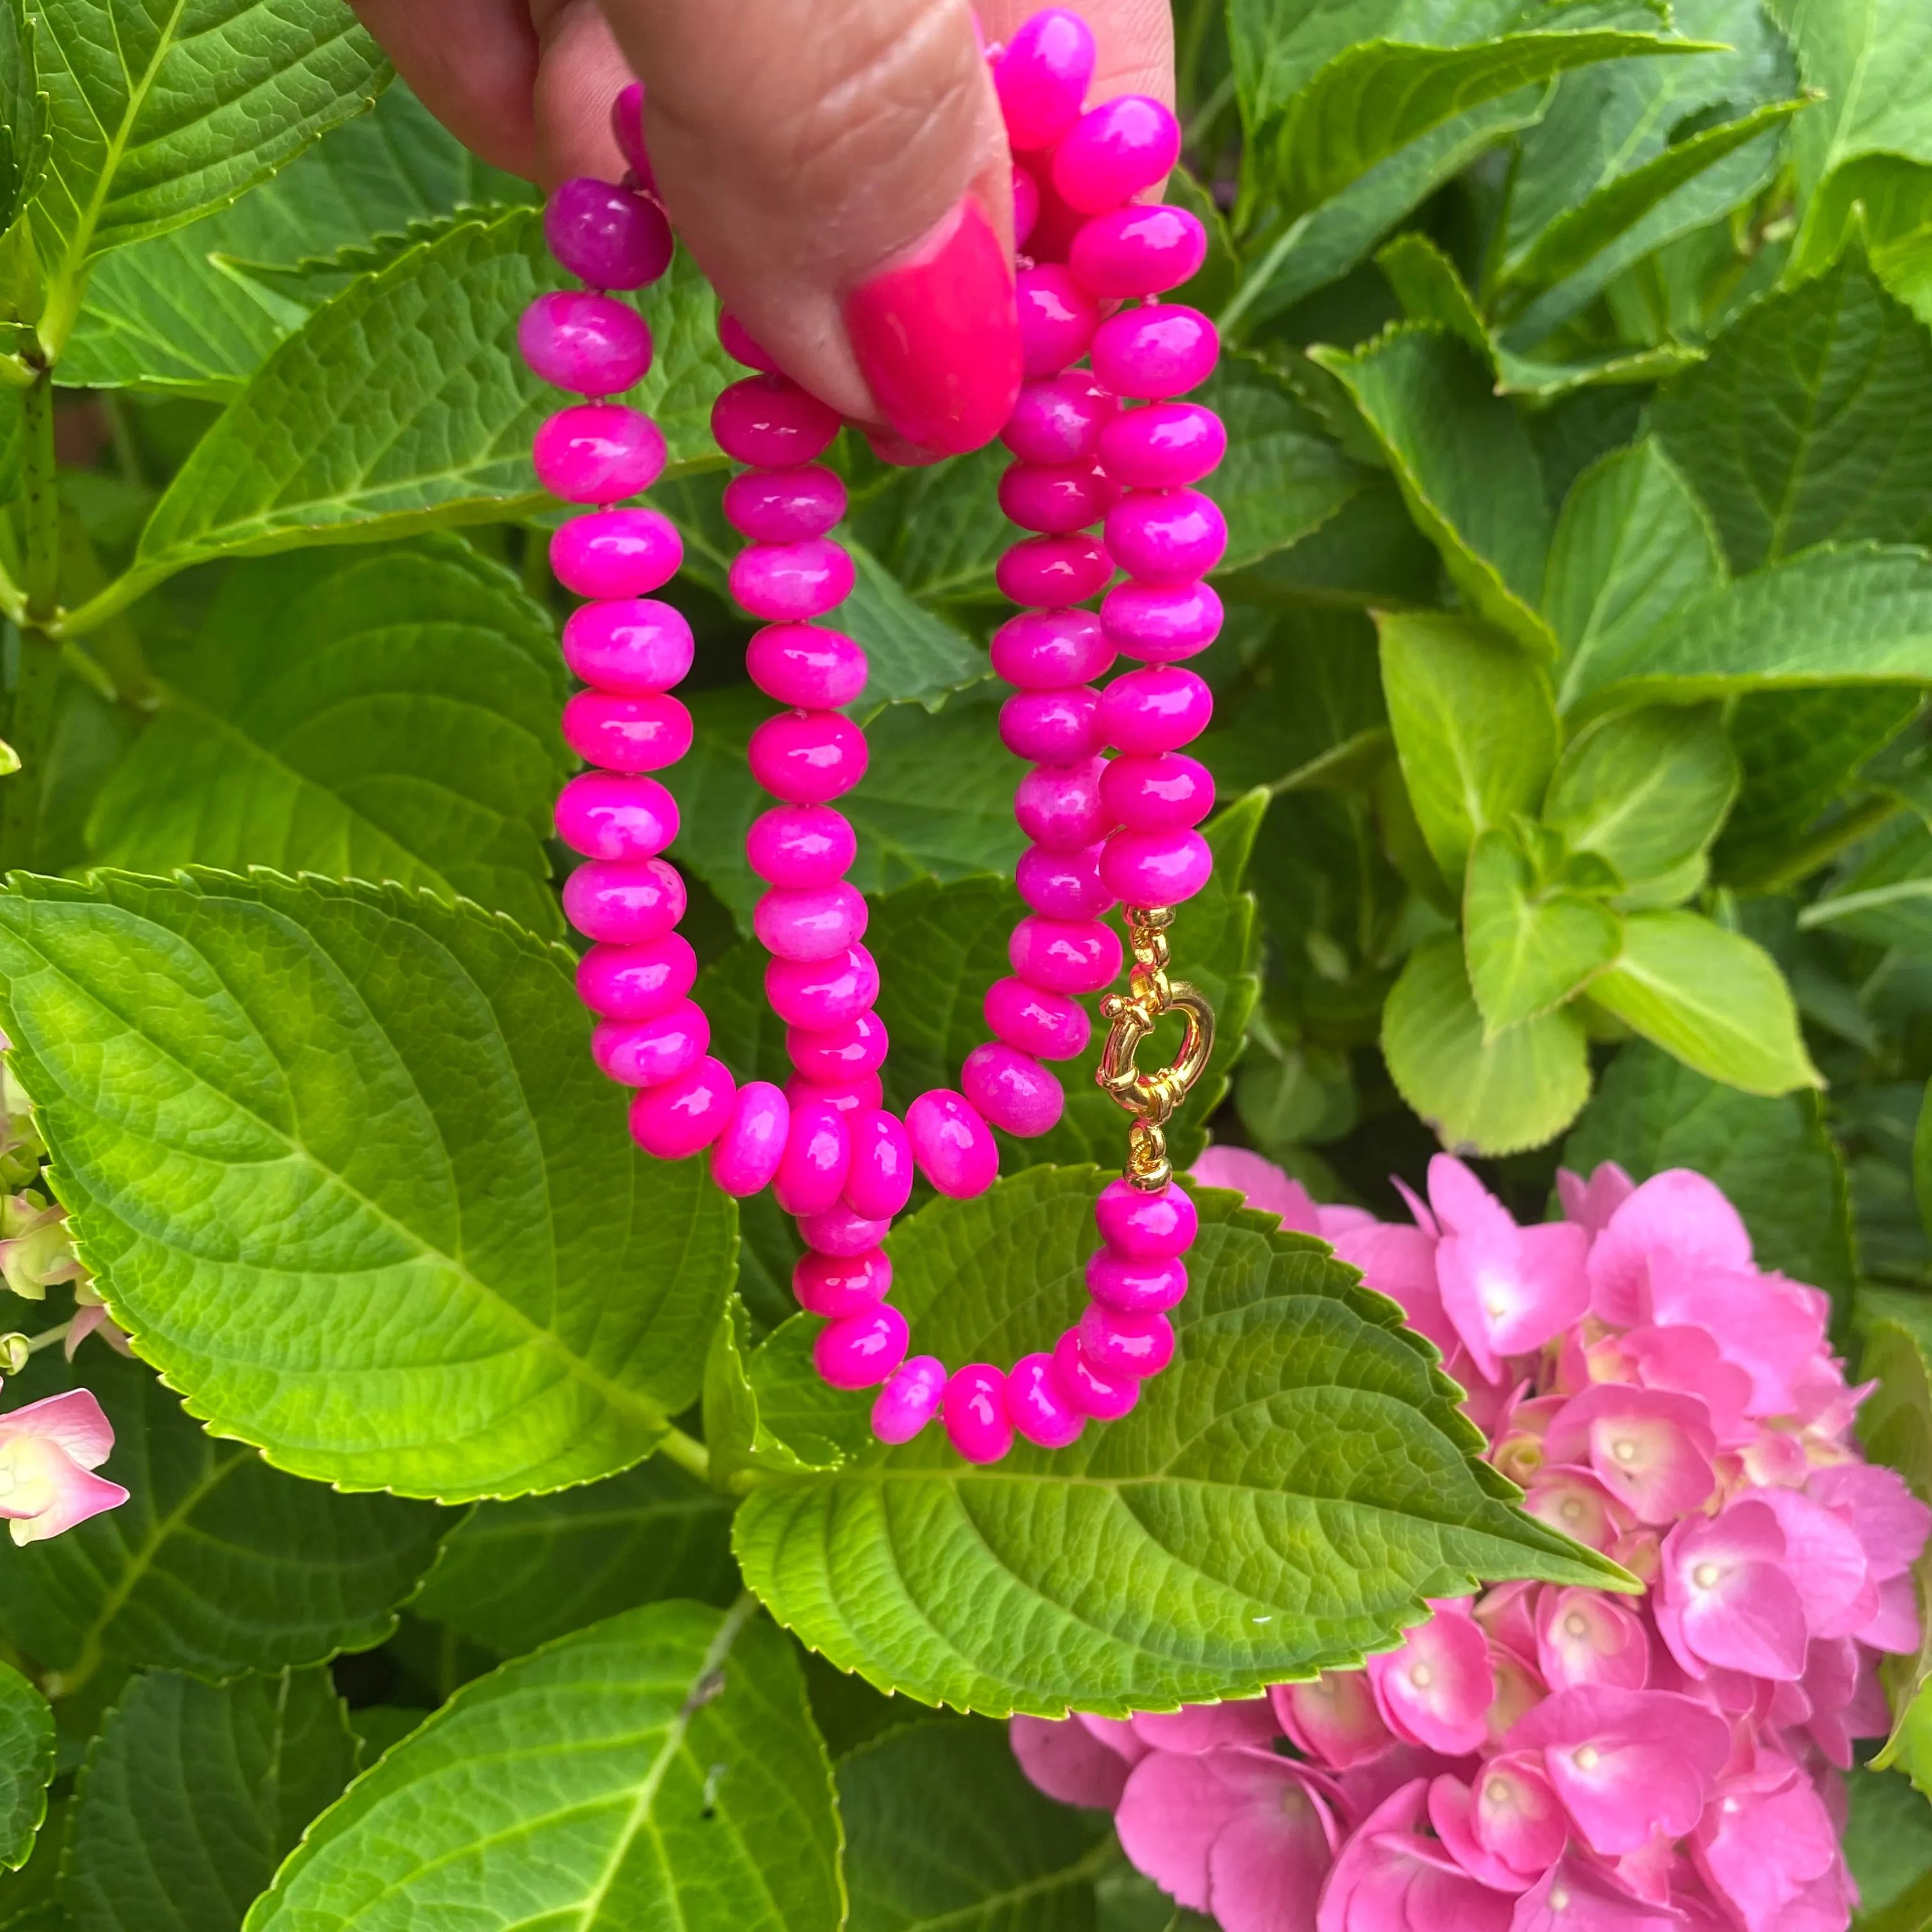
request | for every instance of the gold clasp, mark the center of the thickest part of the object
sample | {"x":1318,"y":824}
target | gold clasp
{"x":1151,"y":1098}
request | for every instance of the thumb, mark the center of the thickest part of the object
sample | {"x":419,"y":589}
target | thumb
{"x":838,"y":168}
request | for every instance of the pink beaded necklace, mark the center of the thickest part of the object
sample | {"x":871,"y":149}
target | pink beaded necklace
{"x":1105,"y":830}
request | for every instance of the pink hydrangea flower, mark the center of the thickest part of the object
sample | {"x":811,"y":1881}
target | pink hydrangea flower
{"x":48,"y":1452}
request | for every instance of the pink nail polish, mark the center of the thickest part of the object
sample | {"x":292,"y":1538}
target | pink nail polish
{"x":936,"y":336}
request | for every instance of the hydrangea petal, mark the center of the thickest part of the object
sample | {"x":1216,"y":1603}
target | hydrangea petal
{"x":1400,"y":1263}
{"x":1266,"y":1866}
{"x":1583,"y":1637}
{"x":1573,"y":1501}
{"x":1888,"y":1520}
{"x":1651,"y":1450}
{"x":73,"y":1419}
{"x":1773,"y":1329}
{"x":1334,"y":1720}
{"x":1576,"y":1896}
{"x":1760,"y":1850}
{"x":1677,"y":1216}
{"x":1066,"y":1761}
{"x":1591,"y":1203}
{"x":1825,"y":1558}
{"x":1261,"y":1184}
{"x":1435,"y":1690}
{"x":1726,"y":1599}
{"x":1387,"y":1878}
{"x":1200,"y":1727}
{"x":1517,"y":1817}
{"x":1451,"y":1806}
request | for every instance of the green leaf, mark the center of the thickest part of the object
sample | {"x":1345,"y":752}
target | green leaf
{"x":1884,"y":203}
{"x":1480,"y":1096}
{"x":1714,"y":998}
{"x":1466,"y":467}
{"x":736,"y":1434}
{"x":1474,"y":728}
{"x":24,"y":133}
{"x":192,"y":1795}
{"x":1810,"y":421}
{"x":1886,"y":897}
{"x":1282,"y":1498}
{"x":660,"y":1768}
{"x":352,"y":1137}
{"x":944,"y":1830}
{"x":1431,"y":288}
{"x":375,"y":715}
{"x":516,"y":1575}
{"x":217,"y":1564}
{"x":1530,"y":945}
{"x":936,"y":531}
{"x":26,"y":1766}
{"x":1888,"y":1841}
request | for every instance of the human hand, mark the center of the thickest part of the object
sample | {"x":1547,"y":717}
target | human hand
{"x":804,"y":148}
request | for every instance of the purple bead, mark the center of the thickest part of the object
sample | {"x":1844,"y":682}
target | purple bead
{"x":910,"y":1399}
{"x":808,"y":668}
{"x":606,"y":816}
{"x":1049,"y":1025}
{"x":837,"y":1286}
{"x":739,"y":343}
{"x":598,"y":453}
{"x":810,"y":921}
{"x":1052,"y":727}
{"x":1063,"y":885}
{"x":1164,"y":793}
{"x":1026,"y":204}
{"x":1170,"y":537}
{"x":812,"y":1171}
{"x":627,"y":902}
{"x":1155,"y":352}
{"x":646,"y":1053}
{"x":1163,"y":446}
{"x":771,"y":423}
{"x":1119,"y":1345}
{"x":1051,"y":650}
{"x":815,"y":994}
{"x":1059,"y":420}
{"x":840,"y":1053}
{"x":589,"y":343}
{"x":1058,"y":318}
{"x":952,"y":1144}
{"x":839,"y":1231}
{"x":607,"y":236}
{"x":1158,"y":624}
{"x":616,"y":553}
{"x":789,"y":582}
{"x":1140,"y":1226}
{"x":862,"y":1351}
{"x":627,"y":128}
{"x":1051,"y":572}
{"x":1067,"y":956}
{"x":801,"y":845}
{"x":627,"y":734}
{"x":1114,"y":150}
{"x":1156,"y":869}
{"x":745,"y":1156}
{"x":684,"y":1116}
{"x":1041,"y":1409}
{"x":783,"y":505}
{"x":1105,"y":1399}
{"x":1158,"y":709}
{"x":974,"y":1412}
{"x":1055,"y":498}
{"x":1139,"y":251}
{"x":1013,"y":1090}
{"x":1042,"y":78}
{"x":1135,"y":1287}
{"x":880,"y":1181}
{"x":806,"y":758}
{"x":1060,"y":806}
{"x":636,"y":982}
{"x":635,"y":647}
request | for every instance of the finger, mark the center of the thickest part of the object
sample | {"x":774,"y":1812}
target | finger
{"x":1133,"y":41}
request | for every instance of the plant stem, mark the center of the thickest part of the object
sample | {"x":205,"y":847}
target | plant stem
{"x":688,"y":1452}
{"x":43,"y":571}
{"x":37,"y":689}
{"x":47,"y":1337}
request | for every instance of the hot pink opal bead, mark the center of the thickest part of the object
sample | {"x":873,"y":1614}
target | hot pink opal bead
{"x":838,"y":1285}
{"x":910,"y":1399}
{"x":684,"y":1116}
{"x":1048,"y":1025}
{"x":1059,"y":420}
{"x":1155,"y":352}
{"x":646,"y":1053}
{"x":1162,"y":446}
{"x":840,"y":1053}
{"x":1068,"y":955}
{"x":1052,"y":727}
{"x":1105,"y":1398}
{"x":1119,"y":1345}
{"x":635,"y":647}
{"x":953,"y":1145}
{"x":1163,"y":794}
{"x":839,"y":1231}
{"x":811,"y":669}
{"x":810,"y":921}
{"x":783,"y":505}
{"x":1140,"y":1226}
{"x":1167,"y":536}
{"x":1013,"y":1090}
{"x":880,"y":1181}
{"x":1055,"y":498}
{"x":636,"y":982}
{"x":1042,"y":78}
{"x":852,"y":1098}
{"x":616,"y":553}
{"x":745,"y":1156}
{"x":815,"y":994}
{"x":627,"y":734}
{"x":862,"y":1351}
{"x":1158,"y":709}
{"x":627,"y":902}
{"x":1158,"y":623}
{"x":739,"y":343}
{"x":606,"y":816}
{"x":607,"y":236}
{"x":1057,"y":319}
{"x":1139,"y":251}
{"x":1042,"y":1410}
{"x":975,"y":1414}
{"x":1063,"y":885}
{"x":771,"y":423}
{"x":792,"y":581}
{"x":801,"y":845}
{"x":1151,"y":868}
{"x":1026,"y":204}
{"x":588,"y":344}
{"x":1114,"y":151}
{"x":811,"y":1172}
{"x":1051,"y":650}
{"x":1051,"y":572}
{"x":1135,"y":1287}
{"x":1060,"y":806}
{"x":806,"y":758}
{"x":627,"y":128}
{"x":598,"y":453}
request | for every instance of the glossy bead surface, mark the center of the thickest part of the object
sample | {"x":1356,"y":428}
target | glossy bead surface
{"x":880,"y":1181}
{"x":1167,"y":536}
{"x":1149,"y":868}
{"x":771,"y":423}
{"x":646,"y":1053}
{"x":840,"y":1053}
{"x":607,"y":236}
{"x":1166,"y":793}
{"x":974,"y":1412}
{"x":1012,"y":1089}
{"x":1042,"y":1410}
{"x":1114,"y":151}
{"x":627,"y":128}
{"x":1160,"y":623}
{"x":816,"y":993}
{"x":626,"y":902}
{"x":790,"y":582}
{"x":1105,"y":1400}
{"x":684,"y":1116}
{"x":1119,"y":1345}
{"x":636,"y":982}
{"x":1057,"y":319}
{"x":1051,"y":650}
{"x":1058,"y":420}
{"x":1139,"y":251}
{"x":838,"y":1230}
{"x":585,"y":342}
{"x":1026,"y":205}
{"x":806,"y":666}
{"x":616,"y":553}
{"x":810,"y":921}
{"x":1042,"y":78}
{"x":1063,"y":885}
{"x":806,"y":758}
{"x":1060,"y":806}
{"x":1140,"y":1226}
{"x":801,"y":845}
{"x":1052,"y":727}
{"x":862,"y":1351}
{"x":627,"y":734}
{"x":837,"y":1285}
{"x":1155,"y":352}
{"x":1055,"y":498}
{"x":609,"y":815}
{"x":811,"y":1172}
{"x":1158,"y":709}
{"x":1067,"y":955}
{"x":1051,"y":572}
{"x":1135,"y":1287}
{"x":910,"y":1399}
{"x":783,"y":505}
{"x":598,"y":453}
{"x":952,"y":1144}
{"x":852,"y":1098}
{"x":738,"y":343}
{"x":745,"y":1156}
{"x":1162,"y":447}
{"x":1049,"y":1025}
{"x":635,"y":646}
